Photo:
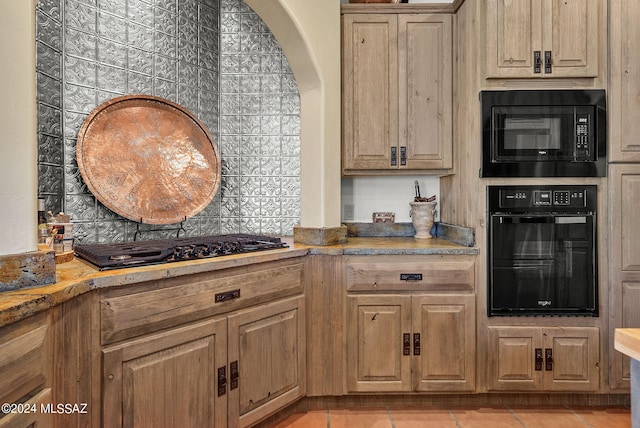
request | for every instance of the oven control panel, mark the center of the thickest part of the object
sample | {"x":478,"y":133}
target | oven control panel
{"x":538,"y":198}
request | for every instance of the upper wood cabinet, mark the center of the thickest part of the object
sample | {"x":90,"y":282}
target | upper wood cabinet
{"x":542,"y":38}
{"x":397,"y":96}
{"x":624,"y":85}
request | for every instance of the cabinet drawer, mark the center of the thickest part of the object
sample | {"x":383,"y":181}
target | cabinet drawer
{"x":25,"y":358}
{"x":163,"y":304}
{"x":33,"y":412}
{"x":410,"y":273}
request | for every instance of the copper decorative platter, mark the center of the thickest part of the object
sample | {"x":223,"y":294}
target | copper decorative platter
{"x":148,"y":159}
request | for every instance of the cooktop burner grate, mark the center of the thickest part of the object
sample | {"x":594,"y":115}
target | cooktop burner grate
{"x":142,"y":253}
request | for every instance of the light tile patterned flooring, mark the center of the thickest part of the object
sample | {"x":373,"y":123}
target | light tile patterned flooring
{"x":463,"y":417}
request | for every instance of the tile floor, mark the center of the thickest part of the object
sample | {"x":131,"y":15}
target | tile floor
{"x":463,"y":417}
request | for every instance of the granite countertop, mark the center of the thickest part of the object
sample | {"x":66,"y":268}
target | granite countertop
{"x":76,"y":277}
{"x":394,"y":245}
{"x":627,"y":341}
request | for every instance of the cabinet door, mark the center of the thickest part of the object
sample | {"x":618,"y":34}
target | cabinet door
{"x":624,"y":85}
{"x":370,"y":91}
{"x":544,"y":359}
{"x":568,"y":29}
{"x":570,"y":32}
{"x":575,"y":359}
{"x":624,"y":254}
{"x":377,"y":329}
{"x":512,"y":359}
{"x":425,"y":94}
{"x":167,"y":379}
{"x":513,"y":34}
{"x":447,"y":355}
{"x":267,"y":358}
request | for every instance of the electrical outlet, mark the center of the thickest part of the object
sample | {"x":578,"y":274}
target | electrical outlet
{"x":347,"y":213}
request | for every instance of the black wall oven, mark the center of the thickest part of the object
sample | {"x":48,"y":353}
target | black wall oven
{"x":542,"y":250}
{"x":551,"y":133}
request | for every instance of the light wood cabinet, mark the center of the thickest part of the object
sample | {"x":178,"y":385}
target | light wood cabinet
{"x":168,"y":379}
{"x":543,"y":38}
{"x":218,"y":349}
{"x":26,"y":360}
{"x":446,"y":324}
{"x":227,"y":371}
{"x":422,"y":309}
{"x":267,"y":360}
{"x":624,"y":84}
{"x":543,"y":359}
{"x":397,"y":93}
{"x":624,"y":181}
{"x":428,"y":340}
{"x":624,"y":257}
{"x":374,"y":320}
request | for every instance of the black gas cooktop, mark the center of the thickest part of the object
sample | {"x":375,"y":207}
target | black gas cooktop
{"x":142,"y":253}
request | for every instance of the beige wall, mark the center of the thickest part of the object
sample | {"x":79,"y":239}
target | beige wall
{"x":309,"y":33}
{"x":18,"y":144}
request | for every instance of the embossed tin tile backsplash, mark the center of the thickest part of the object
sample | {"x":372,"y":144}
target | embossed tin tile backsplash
{"x":215,"y":57}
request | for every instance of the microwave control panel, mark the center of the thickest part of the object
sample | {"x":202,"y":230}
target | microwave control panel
{"x":582,"y":147}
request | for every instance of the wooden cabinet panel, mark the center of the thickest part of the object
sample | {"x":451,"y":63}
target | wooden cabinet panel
{"x":397,"y":93}
{"x":630,"y":319}
{"x":325,"y":307}
{"x":513,"y":33}
{"x":512,"y":359}
{"x":24,"y":363}
{"x":575,"y":357}
{"x":425,"y":90}
{"x":428,"y":340}
{"x":25,"y":358}
{"x":167,"y":379}
{"x":570,"y":29}
{"x":629,"y":225}
{"x":624,"y":84}
{"x":230,"y":370}
{"x":447,"y":329}
{"x":266,"y":346}
{"x":384,"y":273}
{"x":375,"y":321}
{"x":544,"y":359}
{"x":149,"y":308}
{"x":370,"y":90}
{"x":624,"y":266}
{"x":567,"y":29}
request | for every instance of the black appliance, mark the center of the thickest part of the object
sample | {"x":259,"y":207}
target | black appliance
{"x":542,"y":257}
{"x":142,"y":253}
{"x":551,"y":133}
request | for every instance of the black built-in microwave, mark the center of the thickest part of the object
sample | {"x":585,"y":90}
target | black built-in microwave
{"x":544,"y":133}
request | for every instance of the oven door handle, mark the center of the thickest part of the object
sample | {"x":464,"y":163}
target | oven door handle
{"x":526,"y":219}
{"x":543,"y":219}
